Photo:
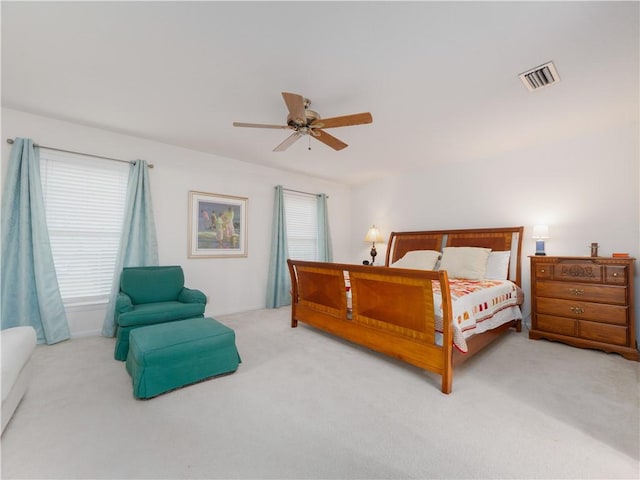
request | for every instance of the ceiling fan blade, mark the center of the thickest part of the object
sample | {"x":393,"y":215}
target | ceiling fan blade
{"x":295,"y":104}
{"x":290,"y":140}
{"x":344,"y":121}
{"x":258,"y":125}
{"x":329,"y":140}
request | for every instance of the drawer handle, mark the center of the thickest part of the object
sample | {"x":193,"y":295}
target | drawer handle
{"x":615,"y":274}
{"x":542,"y":270}
{"x":576,"y":291}
{"x":577,"y":310}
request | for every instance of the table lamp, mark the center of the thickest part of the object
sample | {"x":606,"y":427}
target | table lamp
{"x":373,"y":236}
{"x":540,"y":233}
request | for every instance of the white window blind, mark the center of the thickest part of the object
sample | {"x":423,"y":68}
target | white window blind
{"x":302,"y":225}
{"x":84,"y":200}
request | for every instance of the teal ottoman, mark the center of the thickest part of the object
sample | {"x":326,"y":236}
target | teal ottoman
{"x":171,"y":355}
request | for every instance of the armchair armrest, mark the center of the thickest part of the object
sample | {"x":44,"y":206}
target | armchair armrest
{"x":191,"y":295}
{"x":123,"y":303}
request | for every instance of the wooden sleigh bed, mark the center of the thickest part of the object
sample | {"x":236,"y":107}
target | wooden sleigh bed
{"x":407,"y":313}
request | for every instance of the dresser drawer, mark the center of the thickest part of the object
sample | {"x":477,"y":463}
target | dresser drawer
{"x":601,"y":332}
{"x":582,"y":292}
{"x":596,"y":312}
{"x":616,"y":274}
{"x":578,"y":272}
{"x":561,"y":325}
{"x":543,"y":270}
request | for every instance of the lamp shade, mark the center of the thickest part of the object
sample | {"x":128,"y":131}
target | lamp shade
{"x":540,"y":231}
{"x":373,"y":235}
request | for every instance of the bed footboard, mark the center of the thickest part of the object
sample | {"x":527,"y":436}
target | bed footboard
{"x":377,"y":320}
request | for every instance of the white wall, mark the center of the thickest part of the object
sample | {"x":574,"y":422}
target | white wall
{"x":233,"y":284}
{"x":585,"y":188}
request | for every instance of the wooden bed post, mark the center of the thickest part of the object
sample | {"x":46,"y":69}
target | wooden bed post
{"x":294,"y":293}
{"x":447,"y":333}
{"x":447,"y":377}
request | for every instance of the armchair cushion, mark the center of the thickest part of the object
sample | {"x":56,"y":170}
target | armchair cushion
{"x":152,"y":284}
{"x":152,"y":313}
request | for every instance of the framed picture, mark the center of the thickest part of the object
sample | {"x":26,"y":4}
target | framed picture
{"x":217,"y":225}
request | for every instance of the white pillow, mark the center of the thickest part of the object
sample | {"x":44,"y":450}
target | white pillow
{"x":465,"y":262}
{"x":418,"y":260}
{"x":498,"y":265}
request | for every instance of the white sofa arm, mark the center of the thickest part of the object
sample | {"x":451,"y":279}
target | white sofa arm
{"x":18,"y":344}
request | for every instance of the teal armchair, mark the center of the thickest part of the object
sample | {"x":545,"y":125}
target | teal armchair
{"x":151,"y":295}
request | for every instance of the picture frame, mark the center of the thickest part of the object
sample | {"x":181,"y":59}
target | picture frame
{"x":217,"y":225}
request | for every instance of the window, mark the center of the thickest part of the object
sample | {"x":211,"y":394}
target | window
{"x":302,"y":225}
{"x":84,"y":200}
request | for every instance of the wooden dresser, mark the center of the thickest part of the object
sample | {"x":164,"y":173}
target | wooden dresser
{"x":586,"y":302}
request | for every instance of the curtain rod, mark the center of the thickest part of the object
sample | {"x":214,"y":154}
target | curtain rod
{"x":10,"y":141}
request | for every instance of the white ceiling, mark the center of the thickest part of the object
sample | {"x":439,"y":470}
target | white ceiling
{"x":440,"y":78}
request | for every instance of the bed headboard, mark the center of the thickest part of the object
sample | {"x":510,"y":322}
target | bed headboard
{"x":497,"y":239}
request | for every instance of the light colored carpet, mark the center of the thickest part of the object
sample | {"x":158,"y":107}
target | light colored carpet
{"x":307,"y":405}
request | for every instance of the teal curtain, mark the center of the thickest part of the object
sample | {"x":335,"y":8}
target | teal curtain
{"x":325,"y":249}
{"x":279,"y":282}
{"x":138,"y":244}
{"x":29,"y":287}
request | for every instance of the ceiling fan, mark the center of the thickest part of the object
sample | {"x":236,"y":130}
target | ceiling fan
{"x":304,"y":121}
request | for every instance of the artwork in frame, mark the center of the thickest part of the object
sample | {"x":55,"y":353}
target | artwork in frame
{"x":217,"y":225}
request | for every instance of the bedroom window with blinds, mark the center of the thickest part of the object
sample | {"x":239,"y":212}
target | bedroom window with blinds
{"x":302,"y":225}
{"x":84,"y":200}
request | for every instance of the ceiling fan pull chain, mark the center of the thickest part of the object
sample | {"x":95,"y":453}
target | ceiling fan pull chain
{"x":309,"y":141}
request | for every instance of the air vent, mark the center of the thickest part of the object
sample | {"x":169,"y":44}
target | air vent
{"x":540,"y":77}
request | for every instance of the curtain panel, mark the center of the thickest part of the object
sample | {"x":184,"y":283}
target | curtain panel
{"x":325,"y":248}
{"x":139,"y":243}
{"x":29,"y":287}
{"x":279,"y":282}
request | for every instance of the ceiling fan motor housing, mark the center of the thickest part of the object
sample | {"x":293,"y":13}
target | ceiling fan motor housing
{"x":311,"y":116}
